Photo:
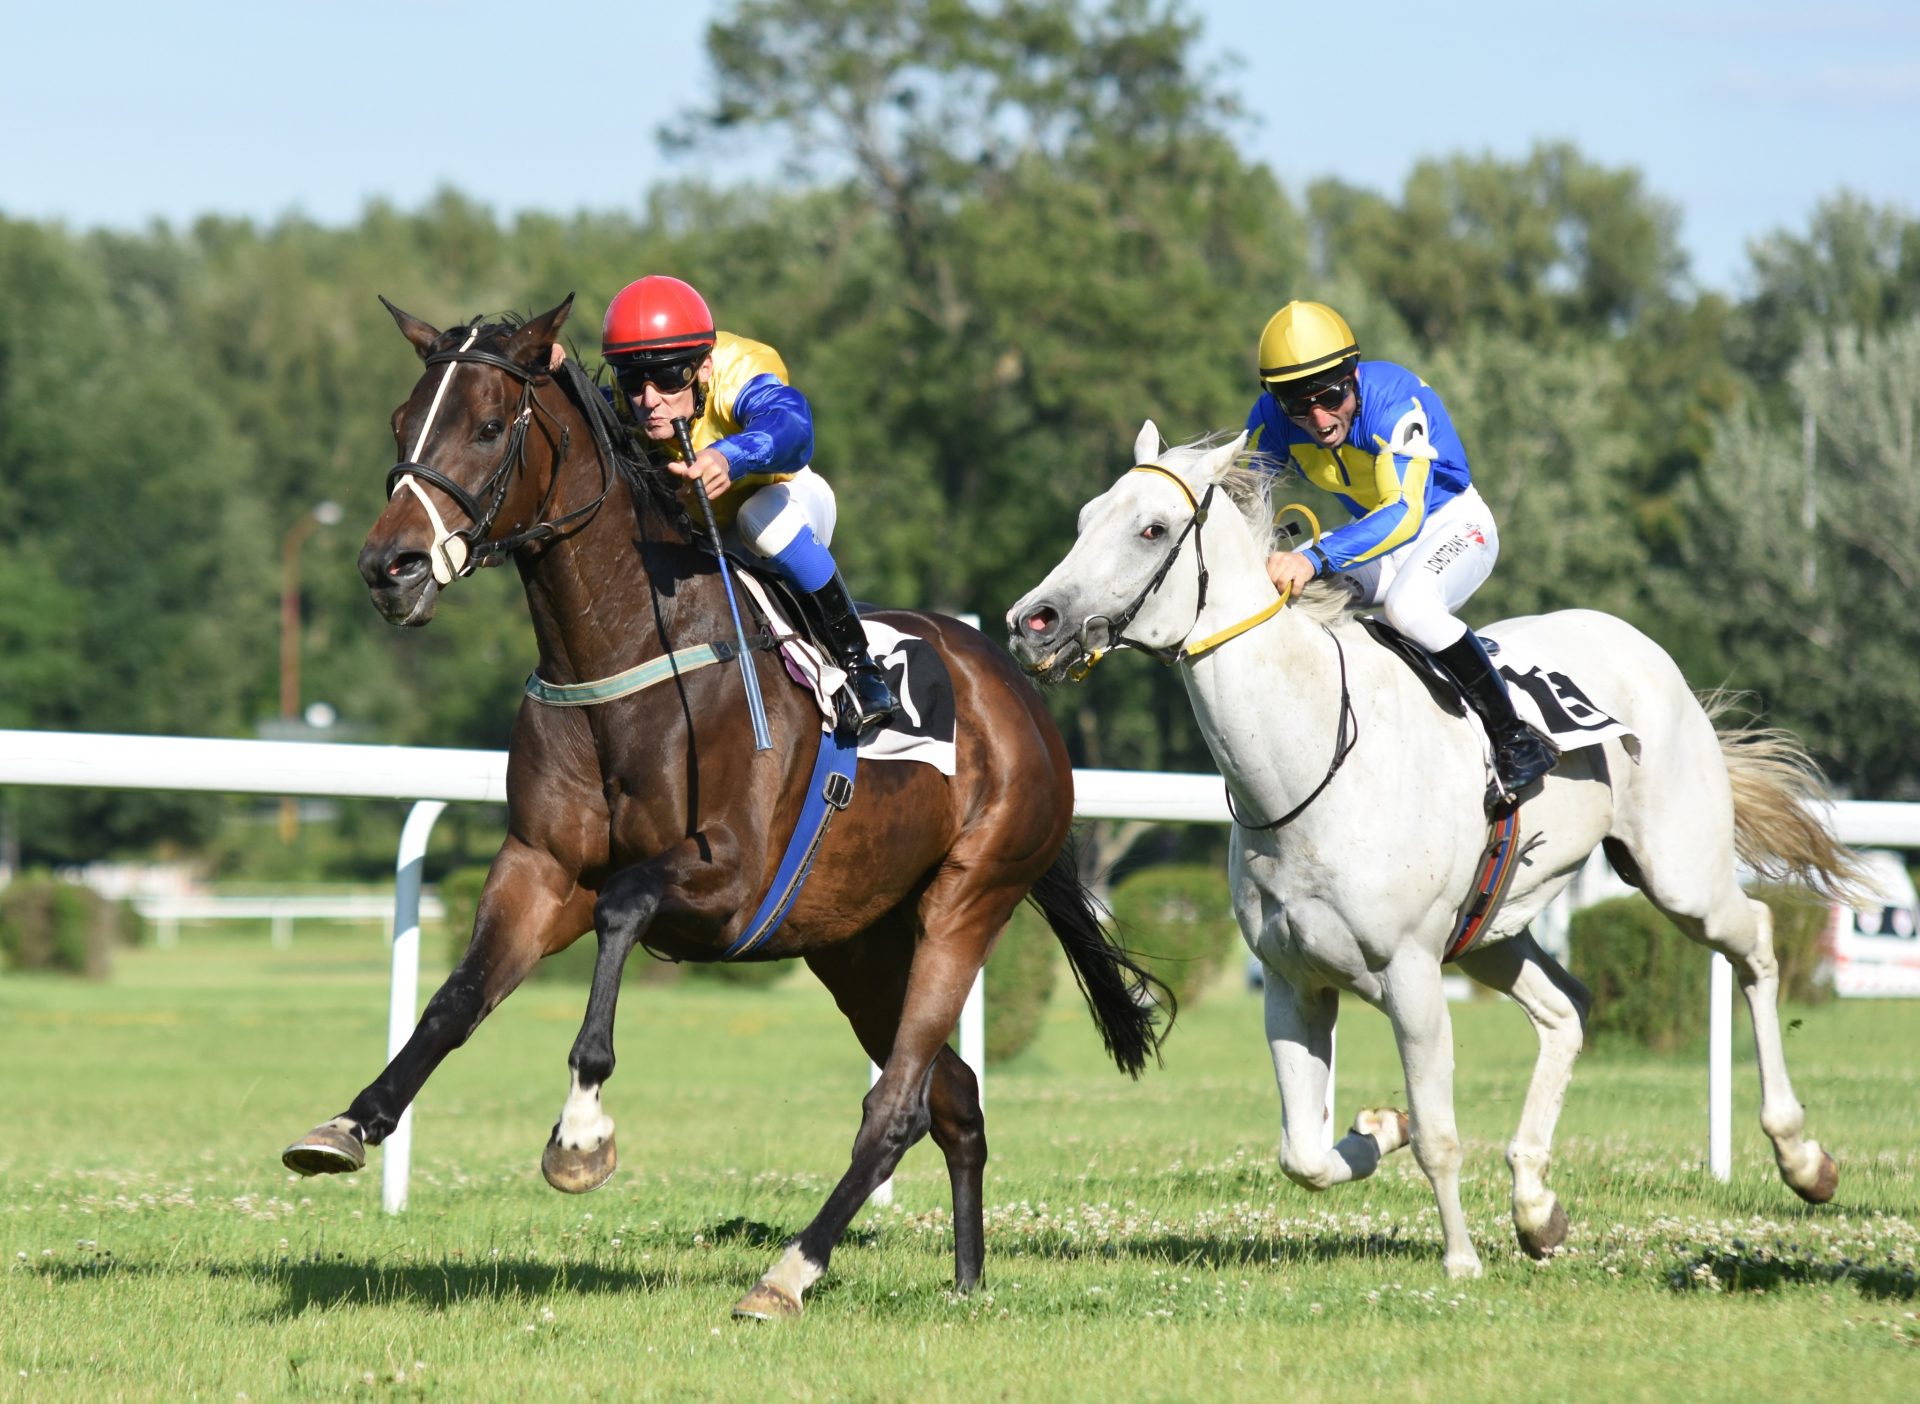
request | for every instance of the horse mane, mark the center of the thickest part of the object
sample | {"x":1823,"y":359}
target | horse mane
{"x":654,"y":489}
{"x":1249,"y":480}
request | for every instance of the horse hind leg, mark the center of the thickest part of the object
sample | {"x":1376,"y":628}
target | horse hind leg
{"x":1556,"y":1003}
{"x":958,"y":1126}
{"x":1726,"y":920}
{"x":1300,"y":1036}
{"x":903,"y":998}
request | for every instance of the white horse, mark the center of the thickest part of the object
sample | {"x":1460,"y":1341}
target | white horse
{"x":1363,"y":887}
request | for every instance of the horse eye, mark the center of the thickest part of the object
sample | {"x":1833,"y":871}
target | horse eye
{"x":1154,"y":532}
{"x":492,"y":429}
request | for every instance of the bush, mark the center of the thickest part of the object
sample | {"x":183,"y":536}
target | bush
{"x":1020,"y":979}
{"x":755,"y":974}
{"x":1649,"y":982}
{"x":1177,"y":921}
{"x":460,"y":896}
{"x":48,"y":924}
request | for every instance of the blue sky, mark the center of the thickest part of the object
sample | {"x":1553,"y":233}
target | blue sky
{"x":1743,"y":115}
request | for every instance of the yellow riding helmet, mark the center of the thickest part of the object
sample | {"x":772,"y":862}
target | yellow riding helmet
{"x":1303,"y":339}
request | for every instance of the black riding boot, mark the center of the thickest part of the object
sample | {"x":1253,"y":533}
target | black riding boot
{"x":1520,"y":755}
{"x":872,"y":702}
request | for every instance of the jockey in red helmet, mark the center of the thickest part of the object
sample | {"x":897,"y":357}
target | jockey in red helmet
{"x":752,"y":439}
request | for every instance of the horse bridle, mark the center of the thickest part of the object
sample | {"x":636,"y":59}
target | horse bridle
{"x":458,"y":553}
{"x":1349,"y":726}
{"x":1182,"y":652}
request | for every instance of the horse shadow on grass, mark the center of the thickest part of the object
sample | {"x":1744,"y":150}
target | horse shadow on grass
{"x":1199,"y":1251}
{"x":1743,"y":1269}
{"x":342,"y":1281}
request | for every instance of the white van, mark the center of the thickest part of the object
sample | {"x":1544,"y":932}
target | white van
{"x":1874,"y":949}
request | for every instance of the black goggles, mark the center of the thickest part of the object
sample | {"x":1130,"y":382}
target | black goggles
{"x":1297,"y":401}
{"x":668,"y":377}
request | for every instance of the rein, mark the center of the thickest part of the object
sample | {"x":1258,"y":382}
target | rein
{"x":458,"y":553}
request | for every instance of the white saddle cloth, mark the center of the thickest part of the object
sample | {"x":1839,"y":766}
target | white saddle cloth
{"x":903,"y":738}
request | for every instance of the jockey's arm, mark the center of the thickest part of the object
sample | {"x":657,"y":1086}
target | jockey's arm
{"x":776,"y":433}
{"x":1402,"y":463}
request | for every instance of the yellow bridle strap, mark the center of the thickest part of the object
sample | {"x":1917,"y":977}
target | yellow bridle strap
{"x":1212,"y":641}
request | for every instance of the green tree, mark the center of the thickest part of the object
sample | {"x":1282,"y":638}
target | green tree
{"x":1857,"y":266}
{"x":1536,"y":248}
{"x":1807,"y":555}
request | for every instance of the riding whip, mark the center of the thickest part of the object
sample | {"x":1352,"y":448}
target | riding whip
{"x":756,"y":708}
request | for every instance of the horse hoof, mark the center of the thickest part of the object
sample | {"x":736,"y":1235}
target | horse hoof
{"x":576,"y":1171}
{"x":1388,"y":1126}
{"x":1550,"y":1235}
{"x":326,"y":1150}
{"x":766,"y":1302}
{"x":1824,"y":1184}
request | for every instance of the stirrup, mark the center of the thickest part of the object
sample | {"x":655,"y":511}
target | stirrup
{"x":865,"y":715}
{"x":1519,"y":760}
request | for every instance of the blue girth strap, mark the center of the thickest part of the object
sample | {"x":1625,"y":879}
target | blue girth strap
{"x":829,"y":790}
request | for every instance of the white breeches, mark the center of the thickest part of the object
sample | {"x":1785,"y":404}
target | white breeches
{"x":1419,"y":585}
{"x":770,"y":519}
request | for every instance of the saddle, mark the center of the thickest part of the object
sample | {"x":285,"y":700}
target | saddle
{"x":1545,"y":697}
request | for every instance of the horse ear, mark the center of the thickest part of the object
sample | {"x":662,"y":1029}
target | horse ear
{"x":1146,"y":448}
{"x":1222,"y":458}
{"x":412,"y":328}
{"x":530,"y":344}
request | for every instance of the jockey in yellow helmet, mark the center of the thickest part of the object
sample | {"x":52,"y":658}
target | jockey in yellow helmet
{"x":1421,"y":540}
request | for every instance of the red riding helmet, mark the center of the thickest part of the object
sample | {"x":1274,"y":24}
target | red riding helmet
{"x":655,"y":318}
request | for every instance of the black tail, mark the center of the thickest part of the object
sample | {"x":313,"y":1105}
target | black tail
{"x":1123,"y":998}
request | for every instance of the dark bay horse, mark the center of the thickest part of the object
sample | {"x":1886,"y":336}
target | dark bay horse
{"x":652,"y":820}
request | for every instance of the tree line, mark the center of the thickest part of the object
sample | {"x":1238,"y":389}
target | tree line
{"x":1006,"y":233}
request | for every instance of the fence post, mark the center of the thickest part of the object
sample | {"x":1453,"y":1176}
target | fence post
{"x":397,"y":1157}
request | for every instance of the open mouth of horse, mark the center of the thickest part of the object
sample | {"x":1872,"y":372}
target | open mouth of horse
{"x":1043,"y":648}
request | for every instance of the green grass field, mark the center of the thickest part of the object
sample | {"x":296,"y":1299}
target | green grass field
{"x":1141,"y":1241}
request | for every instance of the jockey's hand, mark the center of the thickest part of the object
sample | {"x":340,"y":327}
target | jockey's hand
{"x":1289,"y":570}
{"x":709,"y":468}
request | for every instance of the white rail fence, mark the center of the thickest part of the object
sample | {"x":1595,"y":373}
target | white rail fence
{"x":434,"y":777}
{"x":280,"y":910}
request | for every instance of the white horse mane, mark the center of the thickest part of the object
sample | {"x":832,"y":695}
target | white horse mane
{"x":1249,"y":479}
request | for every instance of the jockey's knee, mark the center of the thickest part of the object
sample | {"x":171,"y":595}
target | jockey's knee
{"x":1422,"y":617}
{"x":781,"y":533}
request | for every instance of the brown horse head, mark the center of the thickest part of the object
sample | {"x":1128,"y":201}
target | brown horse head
{"x":478,"y":451}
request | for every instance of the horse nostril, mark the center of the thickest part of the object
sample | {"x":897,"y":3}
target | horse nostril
{"x":402,"y":568}
{"x":1041,"y":620}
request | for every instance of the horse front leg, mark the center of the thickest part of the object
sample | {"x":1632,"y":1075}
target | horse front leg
{"x":1423,"y":1028}
{"x":531,"y":905}
{"x":580,"y":1154}
{"x":1556,"y":1003}
{"x":1300,"y":1034}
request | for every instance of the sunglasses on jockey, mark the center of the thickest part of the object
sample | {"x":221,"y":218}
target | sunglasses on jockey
{"x":1297,"y":399}
{"x":667,"y":375}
